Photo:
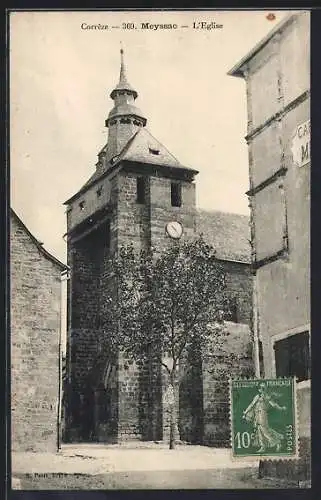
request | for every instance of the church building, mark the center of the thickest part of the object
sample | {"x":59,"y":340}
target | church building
{"x":140,"y":193}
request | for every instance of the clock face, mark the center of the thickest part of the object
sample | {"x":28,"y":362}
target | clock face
{"x":174,"y":229}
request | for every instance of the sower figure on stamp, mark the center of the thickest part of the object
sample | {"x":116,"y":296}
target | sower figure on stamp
{"x":257,"y":413}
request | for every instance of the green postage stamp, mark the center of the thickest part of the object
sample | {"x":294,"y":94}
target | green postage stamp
{"x":263,"y":418}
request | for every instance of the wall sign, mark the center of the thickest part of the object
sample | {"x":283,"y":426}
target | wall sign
{"x":301,"y":145}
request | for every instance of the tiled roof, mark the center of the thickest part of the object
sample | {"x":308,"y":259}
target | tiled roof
{"x":144,"y":148}
{"x":125,"y":110}
{"x":93,"y":177}
{"x":123,"y":85}
{"x":228,"y":233}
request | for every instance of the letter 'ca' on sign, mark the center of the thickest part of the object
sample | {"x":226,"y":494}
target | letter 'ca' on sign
{"x":301,"y":144}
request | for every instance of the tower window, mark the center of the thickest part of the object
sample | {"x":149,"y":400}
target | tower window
{"x":153,"y":151}
{"x":125,"y":120}
{"x":176,"y":194}
{"x":82,"y":205}
{"x":99,"y":191}
{"x":141,"y":190}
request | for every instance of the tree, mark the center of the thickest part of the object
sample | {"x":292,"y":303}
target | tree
{"x":172,"y":301}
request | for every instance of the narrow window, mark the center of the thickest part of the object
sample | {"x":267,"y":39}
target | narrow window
{"x":140,"y":190}
{"x":176,"y":194}
{"x":99,"y":191}
{"x":292,"y":356}
{"x":82,"y":205}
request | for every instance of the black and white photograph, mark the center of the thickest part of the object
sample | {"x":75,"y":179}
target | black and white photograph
{"x":159,"y":249}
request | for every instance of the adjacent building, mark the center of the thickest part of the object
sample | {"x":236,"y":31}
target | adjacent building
{"x":35,"y":313}
{"x":137,"y":188}
{"x":277,"y":77}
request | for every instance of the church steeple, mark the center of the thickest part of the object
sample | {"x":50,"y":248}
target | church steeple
{"x":125,"y":118}
{"x":123,"y":83}
{"x":124,"y":96}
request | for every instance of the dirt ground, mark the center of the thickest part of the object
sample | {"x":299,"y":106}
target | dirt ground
{"x":200,"y":479}
{"x":130,"y":467}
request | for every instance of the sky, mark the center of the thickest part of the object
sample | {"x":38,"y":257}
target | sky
{"x":60,"y":79}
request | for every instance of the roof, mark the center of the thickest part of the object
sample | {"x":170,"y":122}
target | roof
{"x":228,"y":233}
{"x":142,"y":147}
{"x":38,"y":243}
{"x":123,"y":82}
{"x":238,"y":69}
{"x":126,"y":110}
{"x":123,"y":85}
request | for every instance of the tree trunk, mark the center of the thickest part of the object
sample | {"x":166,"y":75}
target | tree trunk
{"x":172,"y":432}
{"x":173,"y":415}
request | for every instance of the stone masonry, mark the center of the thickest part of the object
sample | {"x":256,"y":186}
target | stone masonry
{"x":35,"y":326}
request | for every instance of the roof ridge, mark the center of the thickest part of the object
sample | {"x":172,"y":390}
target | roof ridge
{"x":94,"y":177}
{"x":212,"y":211}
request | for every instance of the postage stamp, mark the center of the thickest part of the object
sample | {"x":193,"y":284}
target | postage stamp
{"x":263,"y":418}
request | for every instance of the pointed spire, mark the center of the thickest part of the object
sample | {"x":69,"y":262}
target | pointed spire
{"x":124,"y":96}
{"x":123,"y":83}
{"x":122,"y":76}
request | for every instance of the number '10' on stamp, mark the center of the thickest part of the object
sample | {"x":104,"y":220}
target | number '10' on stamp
{"x":263,"y":418}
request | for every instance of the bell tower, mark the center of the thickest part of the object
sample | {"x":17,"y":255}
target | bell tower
{"x":139,"y":193}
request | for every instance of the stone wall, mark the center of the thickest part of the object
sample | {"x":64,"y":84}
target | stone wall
{"x":234,"y":359}
{"x":162,"y":212}
{"x":140,"y":388}
{"x":204,"y":398}
{"x":88,"y":202}
{"x":88,"y":258}
{"x":239,"y":286}
{"x":35,"y":324}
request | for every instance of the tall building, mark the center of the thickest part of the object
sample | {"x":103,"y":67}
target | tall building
{"x":277,"y":76}
{"x":137,"y":188}
{"x":35,"y":314}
